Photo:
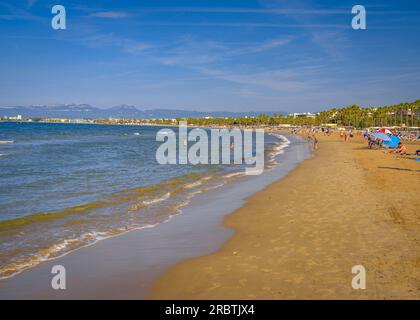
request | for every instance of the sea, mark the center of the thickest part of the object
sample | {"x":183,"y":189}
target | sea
{"x":66,"y":186}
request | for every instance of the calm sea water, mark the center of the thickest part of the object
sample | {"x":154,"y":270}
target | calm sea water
{"x":65,"y":186}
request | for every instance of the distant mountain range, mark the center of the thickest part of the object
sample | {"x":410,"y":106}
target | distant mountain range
{"x":86,"y":111}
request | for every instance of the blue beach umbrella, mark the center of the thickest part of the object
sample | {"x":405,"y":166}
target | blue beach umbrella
{"x":382,"y":136}
{"x":393,"y":143}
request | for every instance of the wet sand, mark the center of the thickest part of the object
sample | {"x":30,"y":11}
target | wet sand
{"x":300,"y":237}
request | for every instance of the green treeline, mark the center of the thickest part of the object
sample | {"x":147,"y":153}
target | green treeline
{"x":403,"y":114}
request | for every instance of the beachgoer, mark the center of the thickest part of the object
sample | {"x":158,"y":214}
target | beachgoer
{"x":315,"y":142}
{"x":370,"y":141}
{"x":401,"y":149}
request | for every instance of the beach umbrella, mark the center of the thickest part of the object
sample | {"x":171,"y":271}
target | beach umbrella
{"x":385,"y":130}
{"x":393,"y":143}
{"x":382,"y":136}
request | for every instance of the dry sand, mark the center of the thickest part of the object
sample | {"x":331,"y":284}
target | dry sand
{"x":300,"y":237}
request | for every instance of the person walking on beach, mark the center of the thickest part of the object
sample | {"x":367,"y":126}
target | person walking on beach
{"x":365,"y":135}
{"x":314,"y":142}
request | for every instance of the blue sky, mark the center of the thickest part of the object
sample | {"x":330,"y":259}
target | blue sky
{"x":210,"y":55}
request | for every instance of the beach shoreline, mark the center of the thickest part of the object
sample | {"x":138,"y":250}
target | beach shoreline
{"x":144,"y":254}
{"x":165,"y":196}
{"x":300,"y":237}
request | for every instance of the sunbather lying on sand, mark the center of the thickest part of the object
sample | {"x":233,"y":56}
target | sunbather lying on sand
{"x":402,"y":149}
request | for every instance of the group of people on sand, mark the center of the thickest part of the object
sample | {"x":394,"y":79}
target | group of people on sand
{"x":326,"y":131}
{"x":346,"y":135}
{"x":372,"y":141}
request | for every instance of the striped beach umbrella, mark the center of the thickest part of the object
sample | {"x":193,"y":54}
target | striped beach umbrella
{"x":382,"y":136}
{"x":386,"y":131}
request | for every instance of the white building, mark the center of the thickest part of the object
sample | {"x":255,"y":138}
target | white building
{"x":18,"y":117}
{"x":302,"y":115}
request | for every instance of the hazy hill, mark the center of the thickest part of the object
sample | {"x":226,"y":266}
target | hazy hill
{"x":86,"y":111}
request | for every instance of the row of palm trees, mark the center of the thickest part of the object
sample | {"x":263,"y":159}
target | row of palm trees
{"x":400,"y":115}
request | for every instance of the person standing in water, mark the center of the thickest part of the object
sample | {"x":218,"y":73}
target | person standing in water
{"x":314,"y":142}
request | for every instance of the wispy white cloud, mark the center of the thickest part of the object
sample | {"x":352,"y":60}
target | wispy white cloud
{"x":90,"y":36}
{"x":189,"y":51}
{"x":217,"y":61}
{"x":244,"y":10}
{"x":261,"y":47}
{"x":212,"y":60}
{"x":242,"y":24}
{"x":128,"y":45}
{"x":110,"y":14}
{"x":334,"y":43}
{"x":295,"y":10}
{"x":287,"y":80}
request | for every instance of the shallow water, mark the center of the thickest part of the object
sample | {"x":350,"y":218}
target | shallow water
{"x":124,"y":267}
{"x":65,"y":186}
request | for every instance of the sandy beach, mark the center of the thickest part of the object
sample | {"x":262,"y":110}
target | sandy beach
{"x":300,"y":237}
